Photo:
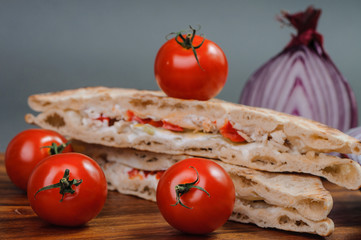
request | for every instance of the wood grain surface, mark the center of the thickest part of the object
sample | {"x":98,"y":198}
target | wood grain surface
{"x":127,"y":217}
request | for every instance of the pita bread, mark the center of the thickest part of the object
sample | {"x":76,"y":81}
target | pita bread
{"x":269,"y":216}
{"x":290,"y":202}
{"x":275,"y":141}
{"x":305,"y":134}
{"x":304,"y":193}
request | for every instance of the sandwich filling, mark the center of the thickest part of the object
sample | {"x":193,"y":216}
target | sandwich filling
{"x":227,"y":130}
{"x":202,"y":129}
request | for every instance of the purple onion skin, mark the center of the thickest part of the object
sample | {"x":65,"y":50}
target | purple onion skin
{"x":356,"y":133}
{"x":303,"y":81}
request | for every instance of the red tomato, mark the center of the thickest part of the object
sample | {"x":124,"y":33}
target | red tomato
{"x":206,"y":206}
{"x":26,"y":149}
{"x":81,"y":202}
{"x":179,"y":74}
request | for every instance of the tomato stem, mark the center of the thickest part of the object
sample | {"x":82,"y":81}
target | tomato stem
{"x":64,"y":184}
{"x":187,"y":42}
{"x":55,"y":149}
{"x":181,"y":189}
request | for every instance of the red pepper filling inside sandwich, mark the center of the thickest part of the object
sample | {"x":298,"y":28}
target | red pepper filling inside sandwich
{"x":161,"y":123}
{"x":227,"y":130}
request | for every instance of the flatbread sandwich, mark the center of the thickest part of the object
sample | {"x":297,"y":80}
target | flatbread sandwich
{"x":245,"y":136}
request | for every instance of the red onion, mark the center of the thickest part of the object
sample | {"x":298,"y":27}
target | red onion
{"x":356,"y":133}
{"x":302,"y":79}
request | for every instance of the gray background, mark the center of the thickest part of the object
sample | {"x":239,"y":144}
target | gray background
{"x":60,"y":44}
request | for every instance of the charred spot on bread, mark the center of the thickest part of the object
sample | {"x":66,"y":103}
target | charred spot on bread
{"x":141,"y":102}
{"x":357,"y":149}
{"x":284,"y":220}
{"x":199,"y":107}
{"x":107,"y":139}
{"x":45,"y":104}
{"x":240,"y":216}
{"x":176,"y":106}
{"x":312,"y":203}
{"x":209,"y":149}
{"x":264,"y":160}
{"x":287,"y":143}
{"x":195,"y":149}
{"x":300,"y":223}
{"x":153,"y":159}
{"x":55,"y":120}
{"x":334,"y":169}
{"x":247,"y":182}
{"x":140,"y":155}
{"x":149,"y":143}
{"x":146,"y":190}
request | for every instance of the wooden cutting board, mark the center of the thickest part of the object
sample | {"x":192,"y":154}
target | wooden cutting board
{"x":127,"y":217}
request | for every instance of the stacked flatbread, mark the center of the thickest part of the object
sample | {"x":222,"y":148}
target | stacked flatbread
{"x":276,"y":168}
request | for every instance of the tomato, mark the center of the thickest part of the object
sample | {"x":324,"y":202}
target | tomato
{"x":180,"y":75}
{"x":75,"y":205}
{"x":205,"y":205}
{"x":26,"y":149}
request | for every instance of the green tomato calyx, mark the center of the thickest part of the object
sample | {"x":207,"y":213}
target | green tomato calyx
{"x":64,"y":184}
{"x":181,"y":189}
{"x":187,"y":41}
{"x":55,"y":149}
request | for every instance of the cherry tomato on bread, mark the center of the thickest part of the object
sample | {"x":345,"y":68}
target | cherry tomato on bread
{"x":67,"y":189}
{"x":28,"y":148}
{"x":196,"y":196}
{"x":191,"y":67}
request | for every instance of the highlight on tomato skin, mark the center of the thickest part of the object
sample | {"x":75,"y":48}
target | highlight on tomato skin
{"x":195,"y":196}
{"x":190,"y":66}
